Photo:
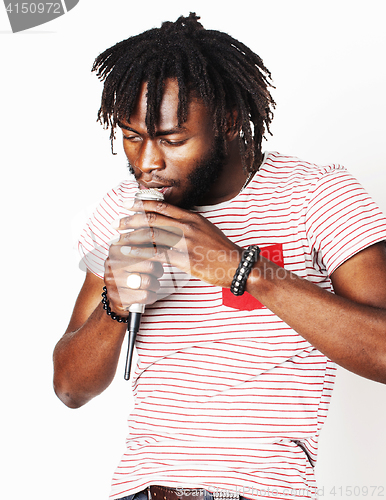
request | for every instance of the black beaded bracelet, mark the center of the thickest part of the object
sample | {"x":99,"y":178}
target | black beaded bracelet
{"x":109,"y":312}
{"x":250,"y":256}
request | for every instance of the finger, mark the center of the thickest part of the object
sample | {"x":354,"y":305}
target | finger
{"x":136,"y":281}
{"x":162,"y":255}
{"x":118,"y":274}
{"x":151,"y":206}
{"x":154,"y":235}
{"x":154,"y":254}
{"x":121,"y":295}
{"x":161,"y":208}
{"x":128,"y":262}
{"x":149,"y":219}
{"x":121,"y":298}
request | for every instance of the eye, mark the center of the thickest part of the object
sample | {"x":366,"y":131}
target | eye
{"x":170,"y":142}
{"x":131,"y":138}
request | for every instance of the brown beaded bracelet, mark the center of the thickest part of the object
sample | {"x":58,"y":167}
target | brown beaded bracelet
{"x":109,"y":312}
{"x":250,"y":256}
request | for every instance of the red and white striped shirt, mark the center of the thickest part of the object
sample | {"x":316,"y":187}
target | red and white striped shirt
{"x":227,"y":395}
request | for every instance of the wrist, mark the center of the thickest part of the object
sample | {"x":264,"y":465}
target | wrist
{"x":265,"y":278}
{"x":108,"y":310}
{"x":249,"y":258}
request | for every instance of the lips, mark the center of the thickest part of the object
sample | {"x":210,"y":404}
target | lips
{"x":162,"y":189}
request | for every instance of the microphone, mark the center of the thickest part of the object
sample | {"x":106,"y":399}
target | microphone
{"x":136,"y":310}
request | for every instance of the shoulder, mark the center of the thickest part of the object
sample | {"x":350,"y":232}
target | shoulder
{"x":286,"y":166}
{"x":116,"y":196}
{"x":292,"y":176}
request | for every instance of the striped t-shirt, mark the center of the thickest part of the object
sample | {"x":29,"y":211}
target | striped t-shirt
{"x":227,"y":395}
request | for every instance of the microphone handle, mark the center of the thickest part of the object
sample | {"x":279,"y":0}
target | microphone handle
{"x":135,"y":315}
{"x":136,"y":310}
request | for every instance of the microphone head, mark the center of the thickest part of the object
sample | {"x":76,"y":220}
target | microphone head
{"x":149,"y":194}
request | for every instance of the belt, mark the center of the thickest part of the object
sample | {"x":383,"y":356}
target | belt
{"x":165,"y":493}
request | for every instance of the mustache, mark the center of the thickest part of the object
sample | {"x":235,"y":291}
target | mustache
{"x":155,"y":177}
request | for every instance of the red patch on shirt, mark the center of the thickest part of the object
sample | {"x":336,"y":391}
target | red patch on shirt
{"x":247,"y":302}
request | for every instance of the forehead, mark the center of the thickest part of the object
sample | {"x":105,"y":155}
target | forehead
{"x":168,"y":110}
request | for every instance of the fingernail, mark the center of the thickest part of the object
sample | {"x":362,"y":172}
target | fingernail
{"x":125,"y":250}
{"x":116,"y":223}
{"x":128,"y":204}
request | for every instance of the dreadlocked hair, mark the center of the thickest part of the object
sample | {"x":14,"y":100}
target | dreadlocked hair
{"x":220,"y":70}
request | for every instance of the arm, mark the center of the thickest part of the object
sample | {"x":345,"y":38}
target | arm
{"x":349,"y":327}
{"x":86,"y":357}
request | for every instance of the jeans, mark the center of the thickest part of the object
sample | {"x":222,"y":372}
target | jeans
{"x":141,"y":495}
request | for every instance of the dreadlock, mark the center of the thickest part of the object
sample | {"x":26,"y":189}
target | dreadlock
{"x":220,"y":70}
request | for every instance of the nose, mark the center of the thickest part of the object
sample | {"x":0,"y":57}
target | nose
{"x":149,"y":156}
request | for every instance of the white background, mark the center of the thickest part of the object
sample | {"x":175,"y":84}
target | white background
{"x":328,"y":64}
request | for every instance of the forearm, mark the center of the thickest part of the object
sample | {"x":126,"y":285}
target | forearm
{"x":349,"y":333}
{"x":85,"y":360}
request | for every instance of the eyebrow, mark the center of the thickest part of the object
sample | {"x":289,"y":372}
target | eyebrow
{"x":175,"y":130}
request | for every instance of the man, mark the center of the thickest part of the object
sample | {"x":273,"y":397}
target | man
{"x":235,"y":367}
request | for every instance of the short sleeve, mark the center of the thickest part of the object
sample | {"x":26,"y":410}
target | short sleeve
{"x":97,"y":235}
{"x":341,"y":219}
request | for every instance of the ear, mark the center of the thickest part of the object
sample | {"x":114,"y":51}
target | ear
{"x":232,"y":127}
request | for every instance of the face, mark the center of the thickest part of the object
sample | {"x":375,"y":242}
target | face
{"x":182,"y":161}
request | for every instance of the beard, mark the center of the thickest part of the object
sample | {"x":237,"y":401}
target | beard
{"x":203,"y":177}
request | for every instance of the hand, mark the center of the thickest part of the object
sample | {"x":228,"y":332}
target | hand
{"x":162,"y":233}
{"x":118,"y":267}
